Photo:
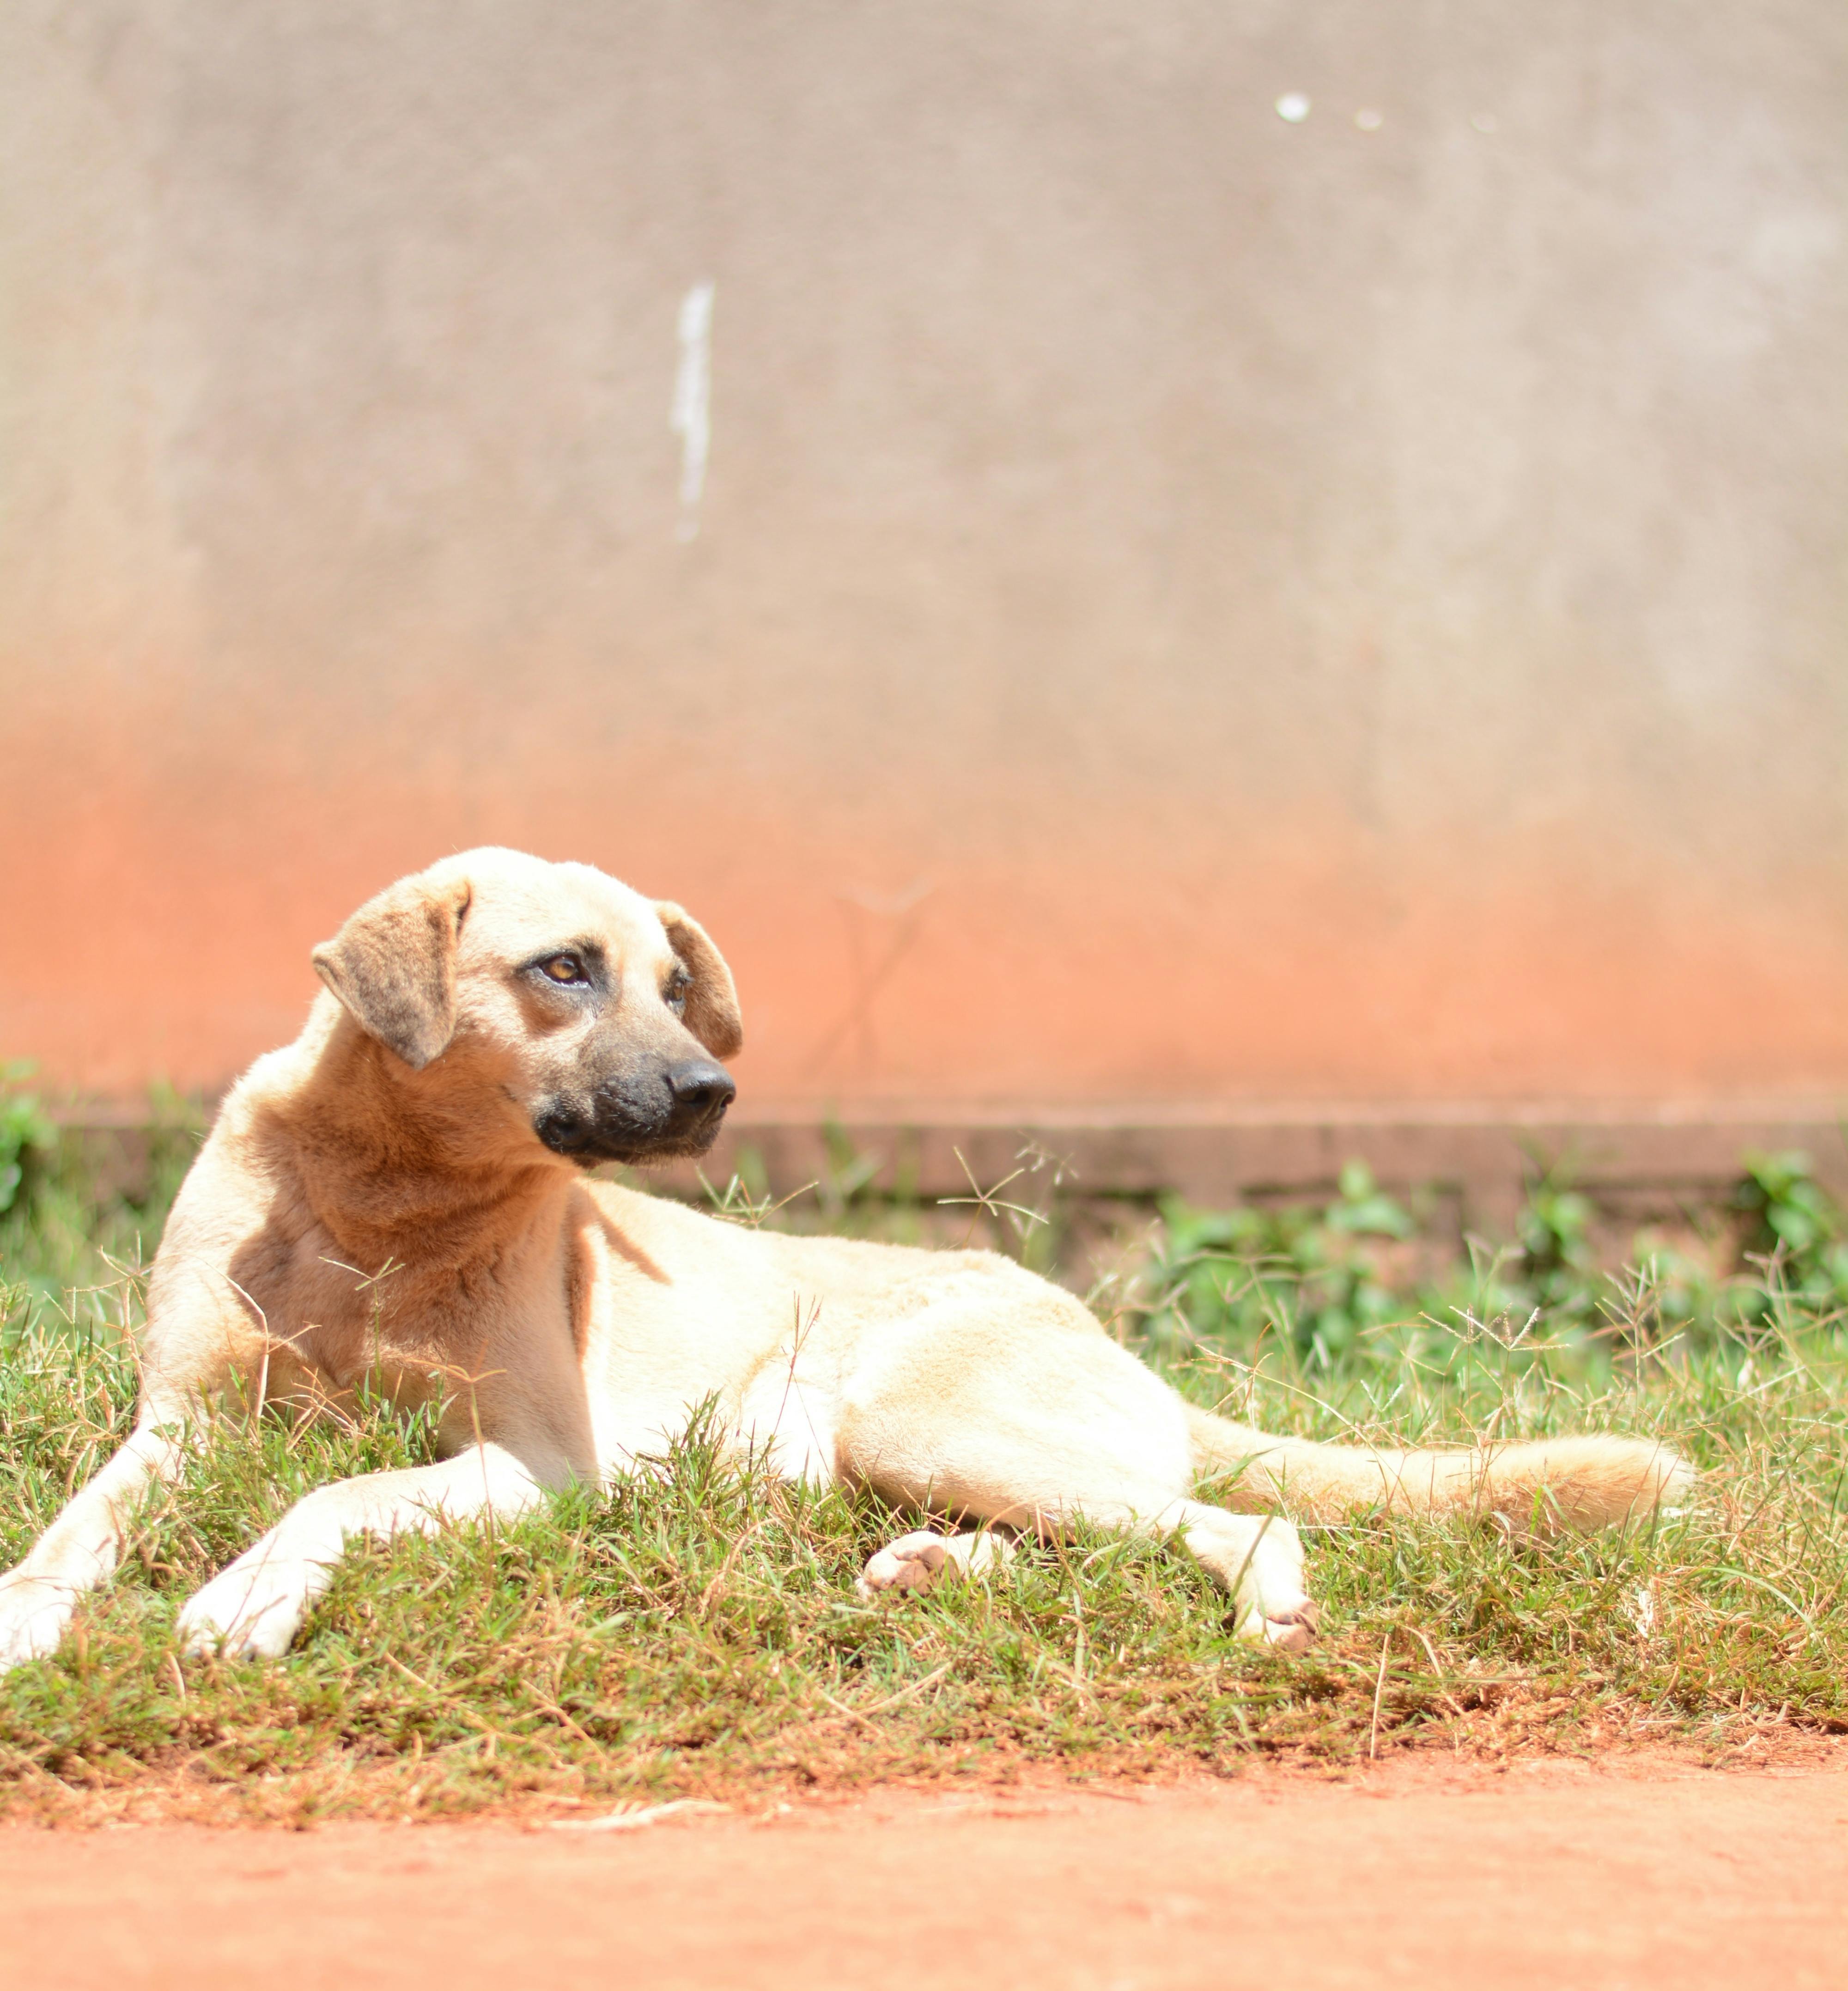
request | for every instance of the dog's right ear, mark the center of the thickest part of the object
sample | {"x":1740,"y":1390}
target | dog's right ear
{"x":392,"y":966}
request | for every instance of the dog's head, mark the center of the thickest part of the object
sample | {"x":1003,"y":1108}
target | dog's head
{"x":599,"y":1015}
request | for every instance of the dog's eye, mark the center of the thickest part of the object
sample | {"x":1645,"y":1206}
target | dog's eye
{"x":674,"y":995}
{"x":564,"y":968}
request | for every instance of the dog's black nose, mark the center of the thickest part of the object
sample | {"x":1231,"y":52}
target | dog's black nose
{"x":700,"y":1086}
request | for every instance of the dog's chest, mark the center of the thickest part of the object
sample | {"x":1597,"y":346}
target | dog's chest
{"x":397,"y":1326}
{"x":657,"y":1338}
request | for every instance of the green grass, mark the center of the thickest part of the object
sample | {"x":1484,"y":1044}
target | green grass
{"x":694,"y":1630}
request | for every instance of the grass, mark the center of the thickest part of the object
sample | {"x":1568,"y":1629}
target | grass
{"x":694,"y":1632}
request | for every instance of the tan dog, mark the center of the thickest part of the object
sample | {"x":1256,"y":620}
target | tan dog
{"x":399,"y":1195}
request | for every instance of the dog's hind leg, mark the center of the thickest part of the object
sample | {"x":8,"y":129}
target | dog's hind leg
{"x":1257,"y":1559}
{"x":1022,"y":1421}
{"x":254,"y":1607}
{"x":79,"y":1551}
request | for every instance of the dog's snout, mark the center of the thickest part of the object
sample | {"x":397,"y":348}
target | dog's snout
{"x":643,"y":1111}
{"x":700,"y":1086}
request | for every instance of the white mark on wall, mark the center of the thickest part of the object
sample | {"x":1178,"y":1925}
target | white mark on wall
{"x":1293,"y":107}
{"x":691,"y":415}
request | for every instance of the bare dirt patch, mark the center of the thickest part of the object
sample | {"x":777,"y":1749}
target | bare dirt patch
{"x":1427,"y":1870}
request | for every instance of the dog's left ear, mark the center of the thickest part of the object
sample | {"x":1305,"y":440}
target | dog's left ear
{"x":392,"y":966}
{"x":712,"y":1002}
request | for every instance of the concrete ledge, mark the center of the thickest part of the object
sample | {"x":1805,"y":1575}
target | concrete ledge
{"x":1485,"y":1155}
{"x":1641,"y":1155}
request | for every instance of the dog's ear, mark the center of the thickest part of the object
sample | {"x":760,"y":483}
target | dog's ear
{"x":712,"y":1003}
{"x":392,"y":966}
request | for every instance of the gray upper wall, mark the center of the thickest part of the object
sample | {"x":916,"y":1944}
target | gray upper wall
{"x":1184,"y":602}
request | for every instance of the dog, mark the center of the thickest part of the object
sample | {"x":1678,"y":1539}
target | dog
{"x":399,"y":1200}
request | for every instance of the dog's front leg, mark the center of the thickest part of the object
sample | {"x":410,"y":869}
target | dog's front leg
{"x":255,"y":1606}
{"x":80,"y":1549}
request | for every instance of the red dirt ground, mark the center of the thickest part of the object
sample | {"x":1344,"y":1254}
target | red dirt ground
{"x":1424,"y":1871}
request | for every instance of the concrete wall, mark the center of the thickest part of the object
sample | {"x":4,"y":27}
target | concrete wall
{"x":1185,"y":606}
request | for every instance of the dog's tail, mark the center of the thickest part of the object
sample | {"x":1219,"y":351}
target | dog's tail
{"x":1551,"y":1484}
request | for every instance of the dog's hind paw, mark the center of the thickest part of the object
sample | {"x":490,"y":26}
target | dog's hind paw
{"x":922,"y":1559}
{"x":1292,"y":1631}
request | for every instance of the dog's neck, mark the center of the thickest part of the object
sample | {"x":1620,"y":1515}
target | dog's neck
{"x":400,"y":1173}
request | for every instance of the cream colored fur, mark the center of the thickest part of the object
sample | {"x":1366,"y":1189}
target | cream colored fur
{"x":374,"y":1200}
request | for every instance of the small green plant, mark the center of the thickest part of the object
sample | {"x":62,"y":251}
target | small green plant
{"x":1690,"y":1296}
{"x":1363,"y":1211}
{"x":25,"y":1132}
{"x":86,"y":1210}
{"x":1227,"y":1278}
{"x":1790,"y":1216}
{"x":1558,"y":1267}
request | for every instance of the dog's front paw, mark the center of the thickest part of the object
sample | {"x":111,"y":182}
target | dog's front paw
{"x":33,"y":1615}
{"x":252,"y":1610}
{"x":918,"y":1561}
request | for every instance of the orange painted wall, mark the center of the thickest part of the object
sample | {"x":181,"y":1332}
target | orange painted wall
{"x":1184,"y":607}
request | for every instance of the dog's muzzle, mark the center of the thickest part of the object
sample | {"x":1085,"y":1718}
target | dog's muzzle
{"x":652,"y":1114}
